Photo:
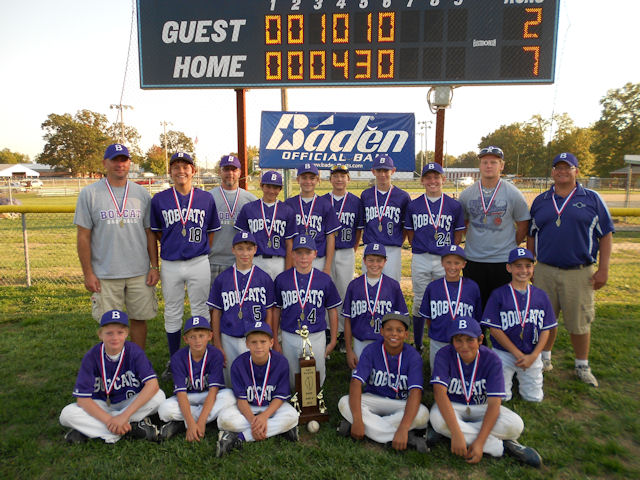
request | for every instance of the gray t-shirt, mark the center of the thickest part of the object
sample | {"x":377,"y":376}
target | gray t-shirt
{"x":220,"y":253}
{"x":492,"y":241}
{"x":118,"y":249}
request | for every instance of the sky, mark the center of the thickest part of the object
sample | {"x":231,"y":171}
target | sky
{"x":64,"y":56}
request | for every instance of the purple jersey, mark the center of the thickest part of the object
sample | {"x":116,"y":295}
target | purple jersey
{"x":196,"y":380}
{"x":391,"y":217}
{"x":180,"y":242}
{"x":450,"y":219}
{"x":435,"y":305}
{"x":488,"y":381}
{"x":257,"y":299}
{"x":319,"y":222}
{"x":381,"y":378}
{"x":277,"y":379}
{"x":350,"y":214}
{"x":322,"y":296}
{"x":365,"y":326}
{"x":500,"y":312}
{"x":135,"y":370}
{"x":271,"y":229}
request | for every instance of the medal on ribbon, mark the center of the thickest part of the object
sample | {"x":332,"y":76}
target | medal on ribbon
{"x":521,"y":319}
{"x":379,"y":213}
{"x":185,"y":217}
{"x":204,"y":363}
{"x":468,"y":392}
{"x":436,"y":222}
{"x":301,"y":302}
{"x":564,"y":204}
{"x":306,"y":219}
{"x":260,"y":398}
{"x":246,"y":288}
{"x":125,"y":196}
{"x":395,"y":387}
{"x":268,"y":230}
{"x":372,"y":311}
{"x":108,"y":387}
{"x":485,"y":207}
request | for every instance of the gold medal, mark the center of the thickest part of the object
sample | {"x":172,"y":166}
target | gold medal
{"x":522,"y":334}
{"x":558,"y":222}
{"x":240,"y":314}
{"x":380,"y":227}
{"x":468,"y":411}
{"x":184,"y":232}
{"x":269,"y":243}
{"x":302,"y":316}
{"x":372,"y":322}
{"x":121,"y":223}
{"x":435,"y":235}
{"x":108,"y":401}
{"x":484,"y":219}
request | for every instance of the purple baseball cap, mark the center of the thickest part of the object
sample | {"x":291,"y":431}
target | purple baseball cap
{"x":229,"y":161}
{"x":383,"y":162}
{"x":566,"y":157}
{"x":491,"y":150}
{"x":181,"y":157}
{"x":259,"y":327}
{"x":397,"y":316}
{"x":308,"y":168}
{"x":432,"y":167}
{"x":375,"y":249}
{"x":114,"y":316}
{"x":244,"y":237}
{"x":519,"y":253}
{"x":304,"y":241}
{"x":271,"y":177}
{"x":196,"y":322}
{"x":115,"y":150}
{"x":465,"y":326}
{"x":453,"y":250}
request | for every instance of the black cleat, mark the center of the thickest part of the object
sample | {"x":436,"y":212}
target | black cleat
{"x":341,"y":346}
{"x":144,"y":430}
{"x":417,"y":442}
{"x":344,"y":429}
{"x":433,"y":437}
{"x":227,"y":441}
{"x":292,"y":435}
{"x":75,"y":437}
{"x":418,"y":347}
{"x":526,"y":455}
{"x":170,"y":429}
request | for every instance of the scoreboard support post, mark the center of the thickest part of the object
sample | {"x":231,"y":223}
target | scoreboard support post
{"x":241,"y":113}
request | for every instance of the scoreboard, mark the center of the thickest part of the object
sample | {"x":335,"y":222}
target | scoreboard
{"x":307,"y":43}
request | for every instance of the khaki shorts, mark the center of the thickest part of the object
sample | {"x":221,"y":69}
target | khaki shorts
{"x":137,"y":298}
{"x":570,"y":291}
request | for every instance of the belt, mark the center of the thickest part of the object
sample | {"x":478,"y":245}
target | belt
{"x":576,"y":267}
{"x":267,"y":256}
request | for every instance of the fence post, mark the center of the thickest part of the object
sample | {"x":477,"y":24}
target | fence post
{"x":25,"y":242}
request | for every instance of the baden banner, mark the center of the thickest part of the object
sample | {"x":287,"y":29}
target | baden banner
{"x":290,"y":139}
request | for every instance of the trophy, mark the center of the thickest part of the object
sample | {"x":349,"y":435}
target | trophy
{"x":308,"y":399}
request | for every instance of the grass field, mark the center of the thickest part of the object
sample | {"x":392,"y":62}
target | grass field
{"x":580,"y":432}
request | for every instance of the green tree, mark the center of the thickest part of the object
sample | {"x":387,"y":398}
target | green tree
{"x":466,"y":160}
{"x":177,"y":142}
{"x":7,"y":156}
{"x":570,"y":138}
{"x":154,"y":160}
{"x":617,"y":133}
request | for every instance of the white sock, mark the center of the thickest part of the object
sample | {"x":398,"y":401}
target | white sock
{"x":582,"y":363}
{"x":546,"y":354}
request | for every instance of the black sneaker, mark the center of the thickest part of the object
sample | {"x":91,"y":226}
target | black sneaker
{"x":170,"y":429}
{"x":526,"y":455}
{"x":433,"y":437}
{"x":341,"y":346}
{"x":75,"y":437}
{"x":417,"y":442}
{"x":166,"y":376}
{"x":227,"y":441}
{"x":144,"y":430}
{"x":292,"y":435}
{"x":344,"y":429}
{"x":418,"y":347}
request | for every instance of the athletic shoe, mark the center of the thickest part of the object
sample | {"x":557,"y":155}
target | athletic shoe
{"x":526,"y":455}
{"x":417,"y":442}
{"x":74,"y":436}
{"x":227,"y":441}
{"x":292,"y":435}
{"x":547,"y":366}
{"x":344,"y":429}
{"x":166,"y":374}
{"x":341,"y":345}
{"x":433,"y":437}
{"x":584,"y":375}
{"x":170,"y":429}
{"x":144,"y":430}
{"x":418,"y":347}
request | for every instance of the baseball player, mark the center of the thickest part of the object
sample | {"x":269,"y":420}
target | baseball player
{"x":272,"y":223}
{"x":116,"y":388}
{"x":240,"y":296}
{"x":348,"y":208}
{"x":434,"y":221}
{"x":184,"y":219}
{"x":315,"y":216}
{"x":390,"y":408}
{"x":260,"y":380}
{"x":520,"y":316}
{"x":468,"y":388}
{"x":116,"y":245}
{"x":229,"y":199}
{"x":446,"y":298}
{"x":304,"y":295}
{"x":369,"y":298}
{"x":198,"y":385}
{"x":384,"y":214}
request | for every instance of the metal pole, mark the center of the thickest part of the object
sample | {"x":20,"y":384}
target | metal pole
{"x":284,"y":104}
{"x":242,"y":135}
{"x":439,"y":135}
{"x":25,"y":243}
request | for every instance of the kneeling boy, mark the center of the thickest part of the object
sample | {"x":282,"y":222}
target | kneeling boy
{"x":197,"y":380}
{"x":468,"y":387}
{"x":116,"y":388}
{"x":390,"y":408}
{"x":260,"y":381}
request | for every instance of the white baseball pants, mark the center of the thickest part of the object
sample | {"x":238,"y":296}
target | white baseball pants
{"x":530,"y":380}
{"x":284,"y":419}
{"x":170,"y":409}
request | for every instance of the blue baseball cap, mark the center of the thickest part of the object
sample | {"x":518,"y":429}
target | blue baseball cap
{"x":259,"y":327}
{"x":196,"y":322}
{"x":116,"y":150}
{"x":244,"y":237}
{"x":383,"y":162}
{"x":229,"y":161}
{"x":432,"y":167}
{"x":114,"y":316}
{"x":397,"y":316}
{"x":491,"y":150}
{"x":271,"y":177}
{"x":375,"y":249}
{"x":465,"y":326}
{"x":453,"y":250}
{"x":519,"y":253}
{"x":566,"y":157}
{"x":308,"y":168}
{"x":304,"y":241}
{"x":181,"y":157}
